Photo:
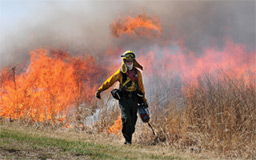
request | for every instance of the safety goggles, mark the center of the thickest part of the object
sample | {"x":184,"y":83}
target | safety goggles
{"x":129,"y":55}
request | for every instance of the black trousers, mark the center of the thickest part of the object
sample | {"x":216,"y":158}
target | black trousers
{"x":128,"y":106}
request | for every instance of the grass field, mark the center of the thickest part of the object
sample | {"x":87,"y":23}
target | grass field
{"x":27,"y":143}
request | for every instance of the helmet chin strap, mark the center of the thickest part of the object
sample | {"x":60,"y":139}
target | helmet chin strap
{"x":129,"y":66}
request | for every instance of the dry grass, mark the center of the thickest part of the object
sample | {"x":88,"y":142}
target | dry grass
{"x":219,"y":114}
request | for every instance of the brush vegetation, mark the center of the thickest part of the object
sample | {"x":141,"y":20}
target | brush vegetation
{"x":219,"y":114}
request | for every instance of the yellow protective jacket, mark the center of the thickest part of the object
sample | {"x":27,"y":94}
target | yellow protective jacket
{"x":118,"y":77}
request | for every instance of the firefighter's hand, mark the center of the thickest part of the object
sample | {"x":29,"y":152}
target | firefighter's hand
{"x":97,"y":94}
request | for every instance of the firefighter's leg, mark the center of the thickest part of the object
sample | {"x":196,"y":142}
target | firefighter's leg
{"x":126,"y":119}
{"x":133,"y":113}
{"x":133,"y":119}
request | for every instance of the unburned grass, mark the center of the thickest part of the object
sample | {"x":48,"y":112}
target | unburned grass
{"x":17,"y":144}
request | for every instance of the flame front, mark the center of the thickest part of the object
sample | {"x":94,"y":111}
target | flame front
{"x":50,"y":86}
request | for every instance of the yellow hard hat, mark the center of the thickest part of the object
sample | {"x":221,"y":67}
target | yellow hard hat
{"x":128,"y":55}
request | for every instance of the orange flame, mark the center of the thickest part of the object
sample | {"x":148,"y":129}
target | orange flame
{"x":142,"y":24}
{"x":116,"y":127}
{"x":50,"y":86}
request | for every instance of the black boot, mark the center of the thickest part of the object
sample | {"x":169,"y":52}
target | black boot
{"x":128,"y":139}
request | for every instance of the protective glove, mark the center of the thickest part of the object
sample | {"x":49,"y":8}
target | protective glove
{"x":97,"y":95}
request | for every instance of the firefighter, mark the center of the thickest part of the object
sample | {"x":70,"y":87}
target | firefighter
{"x":130,"y":80}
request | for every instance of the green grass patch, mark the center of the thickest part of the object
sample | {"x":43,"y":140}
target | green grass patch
{"x":12,"y":140}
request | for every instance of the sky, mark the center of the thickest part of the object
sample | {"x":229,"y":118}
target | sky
{"x":29,"y":24}
{"x":13,"y":12}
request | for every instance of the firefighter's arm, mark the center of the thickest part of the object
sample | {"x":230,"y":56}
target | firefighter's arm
{"x":110,"y":81}
{"x":141,"y":86}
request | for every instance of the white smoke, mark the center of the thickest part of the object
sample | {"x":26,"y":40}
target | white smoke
{"x":83,"y":27}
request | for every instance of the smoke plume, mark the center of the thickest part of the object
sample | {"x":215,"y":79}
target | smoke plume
{"x":84,"y":27}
